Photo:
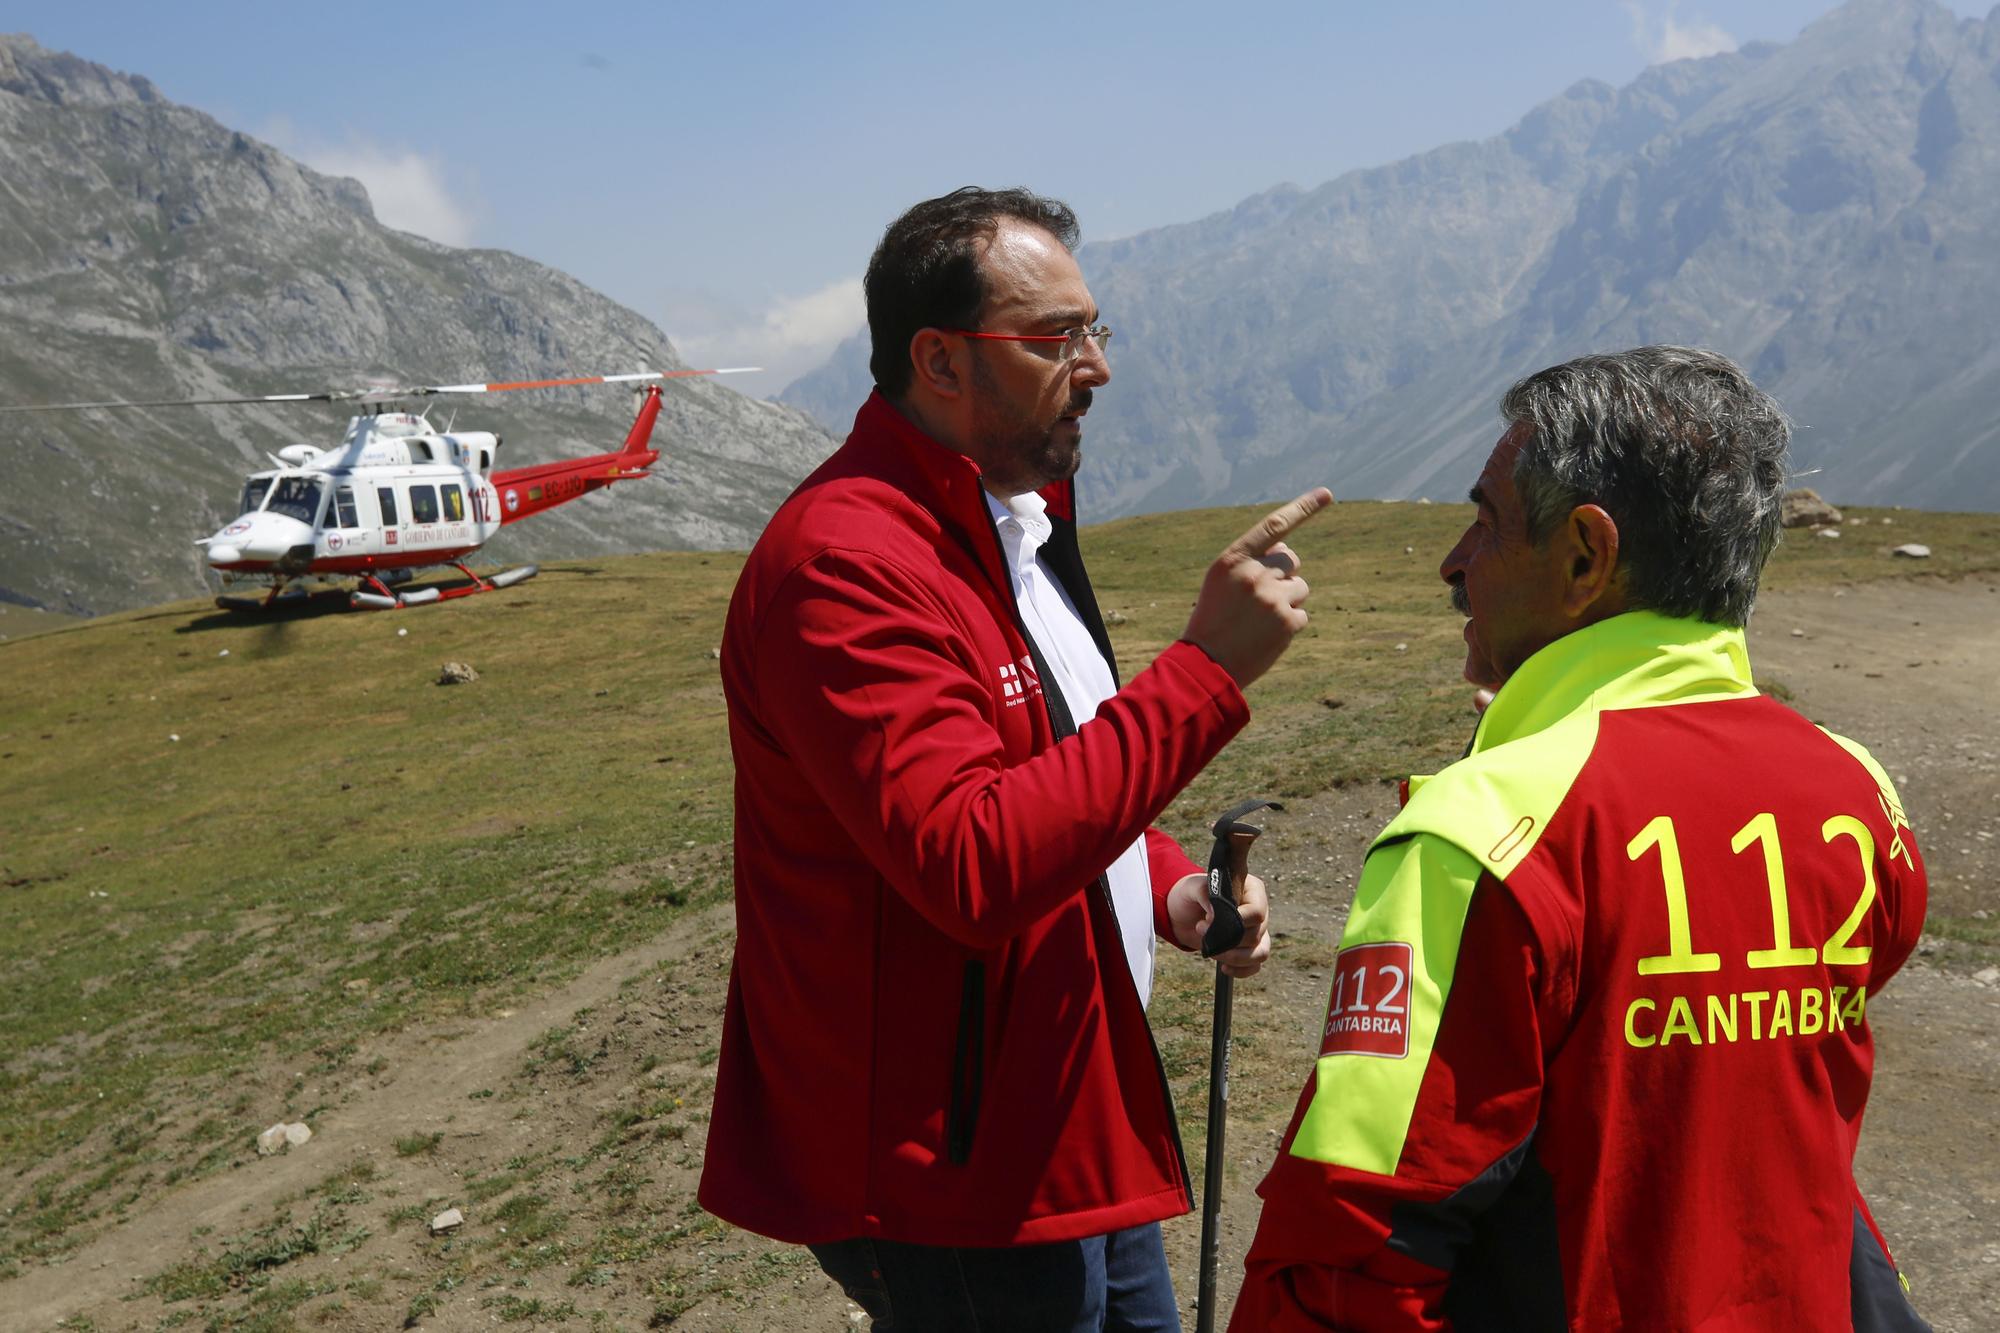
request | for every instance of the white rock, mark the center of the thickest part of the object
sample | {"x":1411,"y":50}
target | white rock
{"x":402,"y":633}
{"x":1798,"y":634}
{"x":1913,"y":551}
{"x":1826,"y":532}
{"x":1986,"y":976}
{"x":281,"y":1136}
{"x":173,"y":735}
{"x":449,"y":1220}
{"x":223,"y":653}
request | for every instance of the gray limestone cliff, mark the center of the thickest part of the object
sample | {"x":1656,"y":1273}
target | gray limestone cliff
{"x":1827,"y":212}
{"x":147,"y":251}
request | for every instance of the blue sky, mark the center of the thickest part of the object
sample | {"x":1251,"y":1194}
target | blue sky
{"x":726,"y":168}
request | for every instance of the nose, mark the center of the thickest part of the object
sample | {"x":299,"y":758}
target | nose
{"x":1091,"y":367}
{"x":1453,"y":568}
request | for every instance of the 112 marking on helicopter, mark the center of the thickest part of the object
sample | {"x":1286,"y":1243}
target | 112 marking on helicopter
{"x":397,"y":495}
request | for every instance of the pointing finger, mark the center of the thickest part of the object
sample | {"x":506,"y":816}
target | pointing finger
{"x":1277,"y":525}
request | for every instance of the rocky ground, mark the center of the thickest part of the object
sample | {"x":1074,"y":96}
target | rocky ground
{"x":569,"y":1132}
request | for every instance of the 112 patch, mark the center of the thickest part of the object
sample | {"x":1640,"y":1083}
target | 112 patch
{"x":1369,"y":1012}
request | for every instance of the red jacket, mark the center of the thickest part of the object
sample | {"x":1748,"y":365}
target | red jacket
{"x":931,"y":1032}
{"x":1596,"y":1049}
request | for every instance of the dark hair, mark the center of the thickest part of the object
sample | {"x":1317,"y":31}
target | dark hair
{"x":1684,"y":453}
{"x":925,"y":273}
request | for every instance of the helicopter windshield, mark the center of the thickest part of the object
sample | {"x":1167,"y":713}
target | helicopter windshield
{"x":253,"y":494}
{"x":296,"y":497}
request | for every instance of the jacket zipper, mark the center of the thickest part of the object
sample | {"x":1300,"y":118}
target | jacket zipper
{"x":962,"y":1115}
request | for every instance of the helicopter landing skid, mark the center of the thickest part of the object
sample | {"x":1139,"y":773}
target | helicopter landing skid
{"x":374,"y":595}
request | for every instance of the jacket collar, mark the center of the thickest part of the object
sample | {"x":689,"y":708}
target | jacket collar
{"x":887,"y":444}
{"x":1628,"y":661}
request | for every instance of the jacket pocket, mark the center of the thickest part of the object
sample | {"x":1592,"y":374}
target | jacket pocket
{"x":968,"y":1063}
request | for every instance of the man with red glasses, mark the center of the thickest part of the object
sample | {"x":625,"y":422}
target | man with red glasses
{"x":935,"y":1067}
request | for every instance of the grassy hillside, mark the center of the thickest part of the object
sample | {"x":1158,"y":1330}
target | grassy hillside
{"x":229,"y":847}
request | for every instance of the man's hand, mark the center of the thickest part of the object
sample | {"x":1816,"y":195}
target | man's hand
{"x":1189,"y":910}
{"x":1250,"y":602}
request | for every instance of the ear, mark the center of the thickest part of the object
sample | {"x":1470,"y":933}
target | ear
{"x":1592,"y":589}
{"x":935,"y":363}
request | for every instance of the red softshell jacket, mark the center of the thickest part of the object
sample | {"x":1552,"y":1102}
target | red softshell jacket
{"x":1641,"y":1106}
{"x":931,"y":1033}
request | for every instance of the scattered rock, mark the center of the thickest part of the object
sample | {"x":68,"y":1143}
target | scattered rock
{"x":1986,"y":976}
{"x":1114,"y":617}
{"x":356,"y":986}
{"x":449,"y":1220}
{"x":281,"y":1136}
{"x":173,"y":735}
{"x":1803,"y":508}
{"x":1402,"y":647}
{"x":715,"y":654}
{"x":223,"y":653}
{"x":1798,"y":634}
{"x":403,"y":633}
{"x":1913,"y":551}
{"x":1328,"y":701}
{"x":1827,"y":532}
{"x":456,"y":673}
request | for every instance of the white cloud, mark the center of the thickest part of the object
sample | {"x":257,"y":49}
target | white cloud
{"x":1664,"y":38}
{"x":789,"y":337}
{"x":408,"y":188}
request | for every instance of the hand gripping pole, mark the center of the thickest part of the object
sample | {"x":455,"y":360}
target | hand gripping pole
{"x":1228,"y":869}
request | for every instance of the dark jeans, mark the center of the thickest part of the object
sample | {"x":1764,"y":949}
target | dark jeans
{"x":1103,"y":1284}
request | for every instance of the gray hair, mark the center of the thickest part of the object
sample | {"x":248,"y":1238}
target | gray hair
{"x":1684,"y":453}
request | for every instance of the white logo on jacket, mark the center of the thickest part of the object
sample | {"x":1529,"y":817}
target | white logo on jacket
{"x":1018,"y":680}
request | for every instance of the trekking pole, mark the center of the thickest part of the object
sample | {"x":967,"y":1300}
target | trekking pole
{"x":1228,"y":867}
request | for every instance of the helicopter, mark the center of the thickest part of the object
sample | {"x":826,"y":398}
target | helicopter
{"x":397,"y":495}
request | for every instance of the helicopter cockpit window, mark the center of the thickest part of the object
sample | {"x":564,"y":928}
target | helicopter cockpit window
{"x":420,"y":451}
{"x":423,"y":504}
{"x":454,"y":505}
{"x":342,"y":513}
{"x":253,"y":494}
{"x":296,"y":497}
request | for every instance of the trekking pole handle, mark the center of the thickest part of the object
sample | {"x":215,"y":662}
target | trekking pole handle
{"x":1228,"y":869}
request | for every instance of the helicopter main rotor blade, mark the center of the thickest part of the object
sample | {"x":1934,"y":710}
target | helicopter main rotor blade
{"x":388,"y":395}
{"x":509,"y":386}
{"x":184,"y":402}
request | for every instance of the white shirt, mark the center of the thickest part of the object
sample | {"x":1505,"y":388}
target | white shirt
{"x":1085,"y":681}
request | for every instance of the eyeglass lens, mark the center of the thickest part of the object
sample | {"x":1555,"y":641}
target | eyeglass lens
{"x":1077,"y":337}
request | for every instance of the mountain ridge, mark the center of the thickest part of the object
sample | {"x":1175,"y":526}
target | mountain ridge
{"x":149,"y":251}
{"x":1824,"y":211}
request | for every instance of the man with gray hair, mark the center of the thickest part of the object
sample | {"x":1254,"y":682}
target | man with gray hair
{"x":1597,"y":1049}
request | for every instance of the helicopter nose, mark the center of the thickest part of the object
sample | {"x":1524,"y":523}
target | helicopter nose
{"x":258,"y":538}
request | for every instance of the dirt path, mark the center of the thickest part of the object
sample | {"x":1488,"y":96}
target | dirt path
{"x":570,"y":1101}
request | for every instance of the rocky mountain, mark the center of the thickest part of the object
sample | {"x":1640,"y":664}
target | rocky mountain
{"x":147,"y":251}
{"x":1827,"y":212}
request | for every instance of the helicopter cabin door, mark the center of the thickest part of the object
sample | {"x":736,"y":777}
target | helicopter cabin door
{"x":340,"y":530}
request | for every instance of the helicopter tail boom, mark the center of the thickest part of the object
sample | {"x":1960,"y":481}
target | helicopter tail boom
{"x":525,"y":491}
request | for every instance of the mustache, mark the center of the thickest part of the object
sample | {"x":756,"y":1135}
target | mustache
{"x":1460,"y":601}
{"x":1079,"y":401}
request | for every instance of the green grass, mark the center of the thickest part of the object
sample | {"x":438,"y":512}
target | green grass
{"x":335,"y":846}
